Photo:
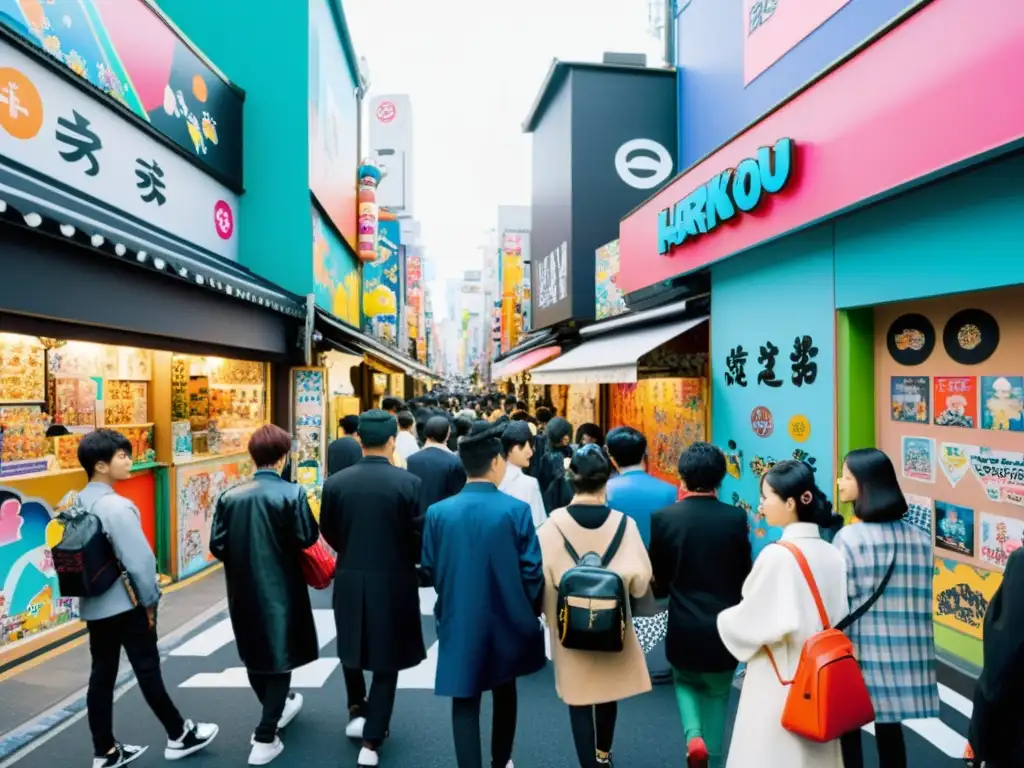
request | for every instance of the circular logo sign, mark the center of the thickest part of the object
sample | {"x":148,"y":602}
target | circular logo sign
{"x":223,"y":220}
{"x":21,"y":106}
{"x":762,"y":421}
{"x":386,"y":111}
{"x":799,"y":428}
{"x":643,"y":163}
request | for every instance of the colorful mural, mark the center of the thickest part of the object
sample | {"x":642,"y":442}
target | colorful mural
{"x":198,"y":488}
{"x":336,"y":285}
{"x":609,"y":300}
{"x":672,"y":414}
{"x":382,"y":286}
{"x":962,"y":594}
{"x":130,"y":53}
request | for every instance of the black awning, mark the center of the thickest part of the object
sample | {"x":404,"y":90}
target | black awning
{"x":334,"y":332}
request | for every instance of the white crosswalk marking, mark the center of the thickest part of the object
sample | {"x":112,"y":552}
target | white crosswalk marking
{"x":951,"y":698}
{"x":208,"y":641}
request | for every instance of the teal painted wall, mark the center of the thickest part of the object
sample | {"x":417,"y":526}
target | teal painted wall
{"x":265,"y":52}
{"x":775,"y":293}
{"x":965,"y":233}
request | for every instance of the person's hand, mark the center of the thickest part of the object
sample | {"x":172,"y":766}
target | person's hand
{"x":151,"y":617}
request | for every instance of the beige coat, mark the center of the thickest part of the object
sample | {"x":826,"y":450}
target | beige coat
{"x":586,"y":677}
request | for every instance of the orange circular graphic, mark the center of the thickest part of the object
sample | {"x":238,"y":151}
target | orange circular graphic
{"x":199,"y":88}
{"x":21,"y":107}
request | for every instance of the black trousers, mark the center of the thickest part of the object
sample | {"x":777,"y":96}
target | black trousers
{"x":466,"y":727}
{"x":593,"y":730}
{"x":272,"y":691}
{"x":892,"y":752}
{"x":375,"y":707}
{"x":106,"y":639}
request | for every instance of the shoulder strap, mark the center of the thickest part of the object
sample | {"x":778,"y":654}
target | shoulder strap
{"x":867,"y":604}
{"x":609,"y":553}
{"x":568,"y":547}
{"x":809,"y":576}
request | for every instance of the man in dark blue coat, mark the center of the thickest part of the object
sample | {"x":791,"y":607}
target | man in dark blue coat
{"x":480,"y":551}
{"x":439,"y":470}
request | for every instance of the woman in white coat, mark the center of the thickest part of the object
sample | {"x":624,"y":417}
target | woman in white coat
{"x":778,"y":613}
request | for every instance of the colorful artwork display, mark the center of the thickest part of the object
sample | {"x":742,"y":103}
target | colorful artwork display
{"x":511,"y":266}
{"x":910,"y":397}
{"x":1002,"y":403}
{"x":919,"y":512}
{"x":130,"y":53}
{"x":309,"y":387}
{"x":955,"y":461}
{"x":1001,"y":474}
{"x":961,"y":595}
{"x":336,"y":278}
{"x":415,"y":314}
{"x":954,"y":528}
{"x":369,"y":179}
{"x":1000,"y":537}
{"x":22,"y":370}
{"x":381,"y":286}
{"x":23,"y":443}
{"x":609,"y":299}
{"x":198,"y":488}
{"x":917,"y":456}
{"x":29,"y":597}
{"x":955,"y":401}
{"x":671,"y":413}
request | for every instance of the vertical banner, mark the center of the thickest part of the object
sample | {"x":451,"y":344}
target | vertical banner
{"x":381,"y":286}
{"x":608,"y":298}
{"x":511,"y":289}
{"x":415,"y":314}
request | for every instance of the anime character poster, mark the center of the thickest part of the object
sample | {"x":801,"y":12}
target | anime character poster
{"x":1000,"y":537}
{"x":955,"y":400}
{"x":917,"y":458}
{"x":954,"y":528}
{"x":1002,"y":403}
{"x":909,"y":398}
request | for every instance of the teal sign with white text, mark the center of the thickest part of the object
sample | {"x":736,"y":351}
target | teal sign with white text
{"x":732,"y":191}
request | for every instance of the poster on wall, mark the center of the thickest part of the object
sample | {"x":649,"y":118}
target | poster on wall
{"x":955,"y":460}
{"x":909,"y":397}
{"x":23,"y":362}
{"x":919,"y":512}
{"x":609,"y":299}
{"x":954,"y":528}
{"x":309,"y":405}
{"x":955,"y":401}
{"x":336,"y":286}
{"x":582,"y":406}
{"x":199,"y":487}
{"x":1002,"y":400}
{"x":917,"y":458}
{"x":772,"y":28}
{"x":1001,"y":474}
{"x":961,"y":594}
{"x":30,"y":602}
{"x":381,"y":286}
{"x":1000,"y":537}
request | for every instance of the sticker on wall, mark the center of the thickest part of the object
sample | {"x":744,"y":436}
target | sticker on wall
{"x":970,"y":336}
{"x":962,"y":594}
{"x":1000,"y":538}
{"x":799,"y":428}
{"x":762,"y":421}
{"x":954,"y":528}
{"x":1002,"y":400}
{"x":733,"y":460}
{"x":919,"y":512}
{"x":909,"y":398}
{"x":955,"y":401}
{"x":911,"y":339}
{"x":806,"y":458}
{"x":1001,"y":474}
{"x":761,"y":464}
{"x":917,"y":458}
{"x":955,"y":460}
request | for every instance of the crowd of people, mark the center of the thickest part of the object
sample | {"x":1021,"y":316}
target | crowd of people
{"x":526,"y":528}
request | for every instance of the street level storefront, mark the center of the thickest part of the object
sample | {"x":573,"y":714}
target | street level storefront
{"x":848,"y":310}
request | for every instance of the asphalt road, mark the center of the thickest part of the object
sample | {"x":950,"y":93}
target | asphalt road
{"x":206,"y":681}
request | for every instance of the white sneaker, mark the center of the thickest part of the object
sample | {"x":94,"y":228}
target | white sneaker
{"x":263,"y":753}
{"x":354,"y":729}
{"x":197,"y":736}
{"x":368,"y":758}
{"x":292,"y":705}
{"x":122,"y":754}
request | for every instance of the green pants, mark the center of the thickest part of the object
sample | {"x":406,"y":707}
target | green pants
{"x":703,"y":699}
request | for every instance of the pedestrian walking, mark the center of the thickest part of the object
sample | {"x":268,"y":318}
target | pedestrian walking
{"x":125,"y":616}
{"x":346,"y":450}
{"x":517,"y":444}
{"x":480,"y":552}
{"x":768,"y":628}
{"x":370,"y":515}
{"x":551,"y":470}
{"x":440,"y":472}
{"x":889,"y":571}
{"x":592,"y":683}
{"x":406,"y":444}
{"x":700,"y":553}
{"x":259,"y":531}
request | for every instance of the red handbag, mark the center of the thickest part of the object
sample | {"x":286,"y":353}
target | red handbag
{"x":318,"y":564}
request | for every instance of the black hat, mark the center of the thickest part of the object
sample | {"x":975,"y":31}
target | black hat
{"x":483,"y":438}
{"x":375,"y":427}
{"x":910,"y":339}
{"x":970,"y":336}
{"x":516,"y":433}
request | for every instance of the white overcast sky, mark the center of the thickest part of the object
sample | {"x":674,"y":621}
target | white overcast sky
{"x":472,"y":69}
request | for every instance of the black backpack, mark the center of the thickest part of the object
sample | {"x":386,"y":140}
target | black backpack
{"x":84,"y":558}
{"x":592,"y":601}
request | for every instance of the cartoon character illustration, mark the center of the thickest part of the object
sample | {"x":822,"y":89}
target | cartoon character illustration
{"x":1004,"y":406}
{"x":210,"y":128}
{"x":955,"y":413}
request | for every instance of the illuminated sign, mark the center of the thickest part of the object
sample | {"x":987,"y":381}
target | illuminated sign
{"x":731,"y":191}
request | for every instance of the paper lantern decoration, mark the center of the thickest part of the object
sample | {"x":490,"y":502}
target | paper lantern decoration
{"x":369,"y":178}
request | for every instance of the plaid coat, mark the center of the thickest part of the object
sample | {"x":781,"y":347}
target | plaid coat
{"x":895,"y":639}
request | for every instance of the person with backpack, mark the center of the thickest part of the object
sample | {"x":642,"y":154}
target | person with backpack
{"x":767,"y":630}
{"x":102,"y":529}
{"x":594,"y":562}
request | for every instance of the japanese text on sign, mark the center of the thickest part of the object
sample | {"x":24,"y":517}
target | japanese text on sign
{"x":553,"y":276}
{"x":803,"y":366}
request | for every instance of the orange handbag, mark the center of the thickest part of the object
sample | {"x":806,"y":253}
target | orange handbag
{"x":827,"y":695}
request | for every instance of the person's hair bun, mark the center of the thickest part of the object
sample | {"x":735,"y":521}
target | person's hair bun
{"x":822,"y":508}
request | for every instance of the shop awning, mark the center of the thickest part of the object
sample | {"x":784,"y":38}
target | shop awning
{"x":611,"y":359}
{"x":524,"y":362}
{"x":336,"y":332}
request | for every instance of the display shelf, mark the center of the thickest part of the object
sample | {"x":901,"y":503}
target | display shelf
{"x":186,"y":461}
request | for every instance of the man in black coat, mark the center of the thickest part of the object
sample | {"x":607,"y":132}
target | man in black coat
{"x":345,"y":451}
{"x":370,"y":514}
{"x":439,"y":470}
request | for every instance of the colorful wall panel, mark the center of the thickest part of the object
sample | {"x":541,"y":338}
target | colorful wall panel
{"x":336,"y":276}
{"x":382,"y":285}
{"x":609,"y":299}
